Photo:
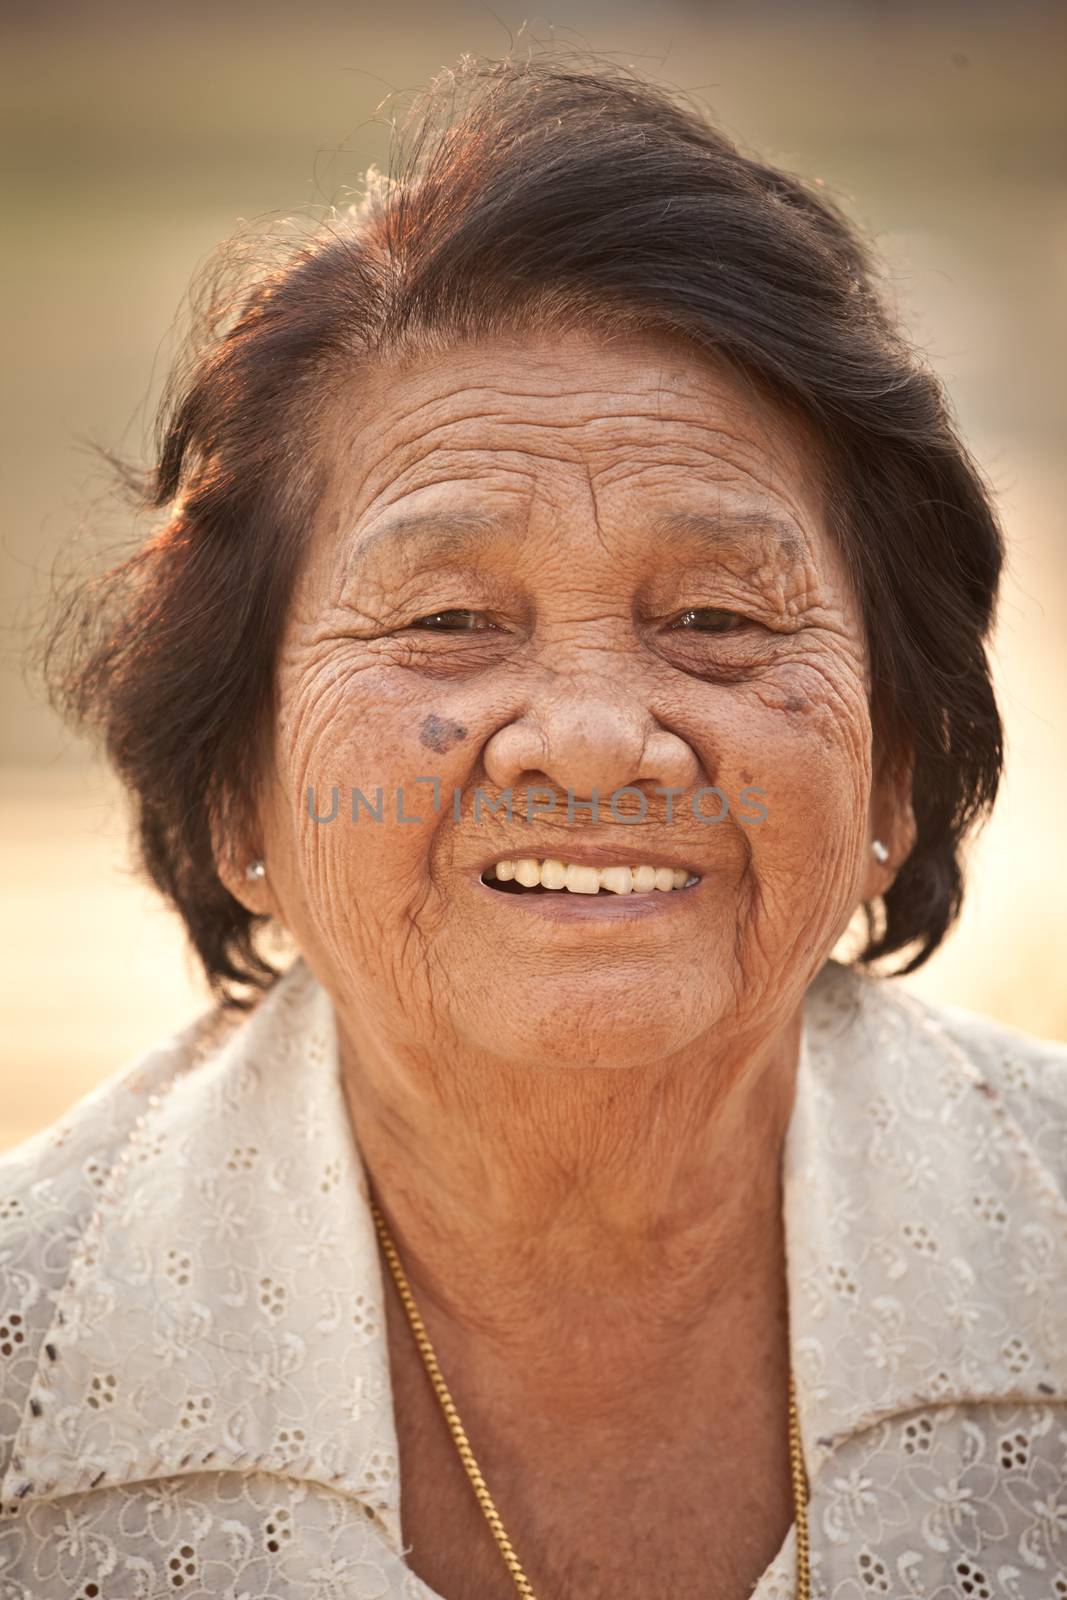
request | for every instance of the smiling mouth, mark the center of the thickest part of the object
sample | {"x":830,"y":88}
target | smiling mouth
{"x":552,"y":875}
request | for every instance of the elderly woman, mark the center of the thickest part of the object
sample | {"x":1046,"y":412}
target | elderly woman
{"x":567,"y":622}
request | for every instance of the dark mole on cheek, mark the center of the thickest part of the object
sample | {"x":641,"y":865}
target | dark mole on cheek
{"x":796,"y":702}
{"x":438,"y":733}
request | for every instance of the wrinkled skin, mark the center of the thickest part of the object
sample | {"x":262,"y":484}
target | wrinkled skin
{"x":574,"y":1126}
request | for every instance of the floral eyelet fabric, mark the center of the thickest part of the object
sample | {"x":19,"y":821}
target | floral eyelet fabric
{"x":195,"y":1390}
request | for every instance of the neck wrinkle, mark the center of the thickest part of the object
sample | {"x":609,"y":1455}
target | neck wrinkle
{"x":505,"y":1241}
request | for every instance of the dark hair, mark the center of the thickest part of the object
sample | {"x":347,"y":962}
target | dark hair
{"x":531,"y":195}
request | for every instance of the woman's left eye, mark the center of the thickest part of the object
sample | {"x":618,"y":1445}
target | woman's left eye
{"x":455,"y":621}
{"x":709,"y":619}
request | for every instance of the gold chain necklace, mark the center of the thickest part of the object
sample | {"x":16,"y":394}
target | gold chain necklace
{"x":466,"y":1454}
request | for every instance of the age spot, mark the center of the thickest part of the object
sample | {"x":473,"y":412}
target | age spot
{"x":440,"y":734}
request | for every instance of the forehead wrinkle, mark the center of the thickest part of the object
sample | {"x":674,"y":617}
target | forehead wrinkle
{"x":479,"y":434}
{"x":639,"y":390}
{"x":607,"y":431}
{"x":419,"y":424}
{"x":407,"y":413}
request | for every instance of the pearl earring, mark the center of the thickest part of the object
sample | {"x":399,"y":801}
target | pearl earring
{"x":256,"y":869}
{"x":879,"y":851}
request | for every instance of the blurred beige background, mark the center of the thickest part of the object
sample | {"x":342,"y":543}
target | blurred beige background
{"x":138,"y":137}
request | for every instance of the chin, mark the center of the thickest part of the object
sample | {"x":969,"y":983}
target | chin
{"x":577,"y":1034}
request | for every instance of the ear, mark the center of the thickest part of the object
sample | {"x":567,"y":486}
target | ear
{"x":891,"y":819}
{"x":234,"y":852}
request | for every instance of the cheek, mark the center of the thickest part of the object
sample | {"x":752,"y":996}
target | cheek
{"x":390,"y":738}
{"x":805,"y":743}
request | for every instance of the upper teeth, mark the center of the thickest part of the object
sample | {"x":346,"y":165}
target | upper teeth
{"x":578,"y":879}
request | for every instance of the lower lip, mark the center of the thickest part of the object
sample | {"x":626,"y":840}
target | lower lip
{"x":560,"y":905}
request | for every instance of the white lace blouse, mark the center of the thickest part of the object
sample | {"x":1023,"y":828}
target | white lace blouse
{"x":194,"y":1379}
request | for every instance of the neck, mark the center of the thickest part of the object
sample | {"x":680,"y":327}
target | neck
{"x":547,"y":1216}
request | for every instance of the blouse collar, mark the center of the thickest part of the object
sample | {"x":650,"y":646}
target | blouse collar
{"x":224,"y":1308}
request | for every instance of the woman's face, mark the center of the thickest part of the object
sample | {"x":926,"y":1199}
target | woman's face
{"x":546,"y":570}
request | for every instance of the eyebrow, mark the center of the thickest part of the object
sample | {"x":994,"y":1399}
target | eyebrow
{"x":447,"y":531}
{"x":724,"y":527}
{"x":453,"y":532}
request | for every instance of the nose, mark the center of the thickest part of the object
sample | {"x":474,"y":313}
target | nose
{"x":586,"y":734}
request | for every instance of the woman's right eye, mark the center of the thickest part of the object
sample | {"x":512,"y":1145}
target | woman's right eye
{"x":454,"y":621}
